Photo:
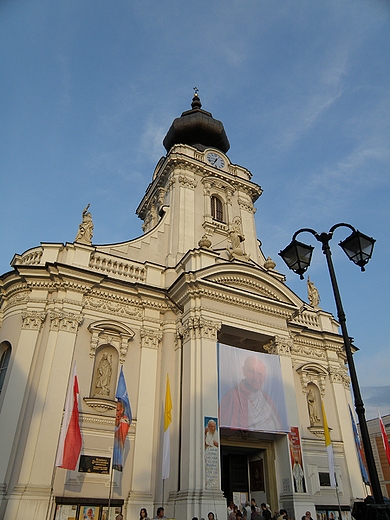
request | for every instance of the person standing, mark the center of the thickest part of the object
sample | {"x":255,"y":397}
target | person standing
{"x":160,"y":513}
{"x":248,"y":510}
{"x":282,"y":515}
{"x":232,"y":514}
{"x":265,"y":512}
{"x":143,"y":514}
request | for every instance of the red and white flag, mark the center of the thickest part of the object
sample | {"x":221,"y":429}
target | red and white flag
{"x":69,"y":446}
{"x":384,"y":438}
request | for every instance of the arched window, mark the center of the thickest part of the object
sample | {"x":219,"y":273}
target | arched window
{"x":216,"y":209}
{"x":5,"y":351}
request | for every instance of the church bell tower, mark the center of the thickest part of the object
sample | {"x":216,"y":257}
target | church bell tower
{"x":211,"y":200}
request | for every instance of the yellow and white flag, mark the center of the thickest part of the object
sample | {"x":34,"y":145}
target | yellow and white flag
{"x":167,"y":441}
{"x":329,"y":448}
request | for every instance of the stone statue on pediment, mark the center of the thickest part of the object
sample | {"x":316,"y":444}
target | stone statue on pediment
{"x":313,"y":294}
{"x":85,"y":233}
{"x":236,"y":238}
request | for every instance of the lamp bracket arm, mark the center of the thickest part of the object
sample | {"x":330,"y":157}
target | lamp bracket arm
{"x":309,"y":230}
{"x":341,"y":224}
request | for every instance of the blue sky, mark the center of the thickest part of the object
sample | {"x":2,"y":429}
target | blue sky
{"x":89,"y":88}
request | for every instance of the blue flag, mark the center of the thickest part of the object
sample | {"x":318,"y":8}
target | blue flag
{"x":359,"y":450}
{"x":123,"y":419}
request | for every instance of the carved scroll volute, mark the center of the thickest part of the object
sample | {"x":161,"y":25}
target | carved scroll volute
{"x":150,"y":338}
{"x":280,"y":345}
{"x":198,"y":327}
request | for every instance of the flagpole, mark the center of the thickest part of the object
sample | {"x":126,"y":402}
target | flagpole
{"x":166,"y":435}
{"x":338,"y":496}
{"x":385,"y":440}
{"x":123,"y":418}
{"x":71,"y":385}
{"x":51,"y":490}
{"x":329,"y":448}
{"x":162,"y":497}
{"x":110,"y":492}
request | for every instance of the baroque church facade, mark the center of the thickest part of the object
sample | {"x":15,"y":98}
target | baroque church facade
{"x":194,"y":299}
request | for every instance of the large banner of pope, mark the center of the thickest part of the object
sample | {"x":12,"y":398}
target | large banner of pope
{"x":251,"y":393}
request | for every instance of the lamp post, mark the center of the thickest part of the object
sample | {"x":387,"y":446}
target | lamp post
{"x":358,"y":247}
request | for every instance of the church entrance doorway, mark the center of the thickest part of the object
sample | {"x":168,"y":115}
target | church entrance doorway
{"x":243,"y":474}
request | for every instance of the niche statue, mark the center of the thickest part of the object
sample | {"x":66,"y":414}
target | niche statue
{"x":103,"y":376}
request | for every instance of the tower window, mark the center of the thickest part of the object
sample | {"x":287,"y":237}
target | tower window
{"x":216,"y":209}
{"x":4,"y":361}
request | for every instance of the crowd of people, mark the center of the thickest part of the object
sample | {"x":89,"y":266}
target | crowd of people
{"x":251,"y":511}
{"x":247,"y":511}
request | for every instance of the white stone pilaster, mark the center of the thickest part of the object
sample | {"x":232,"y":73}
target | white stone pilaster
{"x":199,"y":399}
{"x":37,"y":466}
{"x":143,"y":468}
{"x":340,"y":390}
{"x":16,"y":396}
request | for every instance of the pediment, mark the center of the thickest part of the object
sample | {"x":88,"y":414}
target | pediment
{"x":255,"y":284}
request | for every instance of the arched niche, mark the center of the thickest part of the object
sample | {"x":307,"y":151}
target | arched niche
{"x":108,"y":349}
{"x":313,"y":378}
{"x":313,"y":398}
{"x":111,"y":333}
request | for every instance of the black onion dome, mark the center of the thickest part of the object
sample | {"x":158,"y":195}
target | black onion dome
{"x":197,"y":128}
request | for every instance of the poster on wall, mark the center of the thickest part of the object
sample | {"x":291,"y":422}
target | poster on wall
{"x":251,"y":391}
{"x":66,"y":512}
{"x":256,"y":472}
{"x":211,"y":452}
{"x":89,"y":512}
{"x":321,"y":514}
{"x":296,"y":460}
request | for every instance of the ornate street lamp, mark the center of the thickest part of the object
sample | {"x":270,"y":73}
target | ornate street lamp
{"x":358,"y":247}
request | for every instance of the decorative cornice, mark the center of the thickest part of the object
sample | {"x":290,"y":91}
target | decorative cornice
{"x":211,"y":184}
{"x":280,"y":345}
{"x":100,"y":405}
{"x":318,"y":431}
{"x":15,"y":285}
{"x":240,"y":301}
{"x":65,"y":321}
{"x":311,"y":349}
{"x":211,"y":226}
{"x":17,"y":297}
{"x":32,"y":320}
{"x":313,"y":373}
{"x":58,"y":284}
{"x":111,"y":333}
{"x":150,"y":338}
{"x":255,"y":321}
{"x":115,"y":306}
{"x":246,"y":205}
{"x":199,"y":327}
{"x":244,"y":281}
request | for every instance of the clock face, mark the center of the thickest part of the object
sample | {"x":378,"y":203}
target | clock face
{"x":215,"y":160}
